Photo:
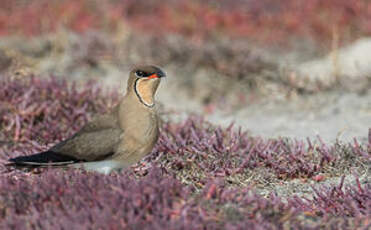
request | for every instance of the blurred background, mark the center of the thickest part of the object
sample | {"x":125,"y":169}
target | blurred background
{"x":296,"y":68}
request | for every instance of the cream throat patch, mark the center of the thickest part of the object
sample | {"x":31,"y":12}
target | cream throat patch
{"x":142,"y":88}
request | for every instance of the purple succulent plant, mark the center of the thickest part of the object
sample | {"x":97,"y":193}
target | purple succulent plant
{"x":195,"y":178}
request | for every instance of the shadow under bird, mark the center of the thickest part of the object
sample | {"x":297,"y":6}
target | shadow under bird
{"x":114,"y":140}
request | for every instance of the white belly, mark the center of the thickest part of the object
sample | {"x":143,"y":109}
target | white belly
{"x":104,"y":167}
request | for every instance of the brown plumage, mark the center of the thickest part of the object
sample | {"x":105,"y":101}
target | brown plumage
{"x":114,"y":140}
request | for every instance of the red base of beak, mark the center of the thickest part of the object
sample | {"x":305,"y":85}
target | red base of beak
{"x":153,"y":76}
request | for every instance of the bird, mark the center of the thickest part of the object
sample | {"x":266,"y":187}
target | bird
{"x":111,"y":141}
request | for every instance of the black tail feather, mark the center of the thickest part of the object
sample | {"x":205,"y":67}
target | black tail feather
{"x":47,"y":158}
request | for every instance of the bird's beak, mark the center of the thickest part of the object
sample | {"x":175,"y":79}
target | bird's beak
{"x":159,"y":74}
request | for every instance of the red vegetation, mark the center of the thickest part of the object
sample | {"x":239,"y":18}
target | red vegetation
{"x":29,"y":108}
{"x":65,"y":200}
{"x":266,"y":20}
{"x":154,"y":198}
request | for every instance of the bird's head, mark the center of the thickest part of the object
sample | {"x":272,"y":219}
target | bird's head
{"x":144,"y":81}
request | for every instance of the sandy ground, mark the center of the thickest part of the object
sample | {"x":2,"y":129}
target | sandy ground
{"x":332,"y":116}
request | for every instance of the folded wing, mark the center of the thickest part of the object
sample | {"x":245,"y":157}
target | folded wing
{"x":97,"y":140}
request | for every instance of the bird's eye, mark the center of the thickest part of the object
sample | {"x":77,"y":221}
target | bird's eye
{"x":140,"y":73}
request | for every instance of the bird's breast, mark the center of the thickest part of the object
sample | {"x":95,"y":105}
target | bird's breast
{"x":140,"y":125}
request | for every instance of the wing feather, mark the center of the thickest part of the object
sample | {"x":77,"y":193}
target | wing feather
{"x":97,"y":140}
